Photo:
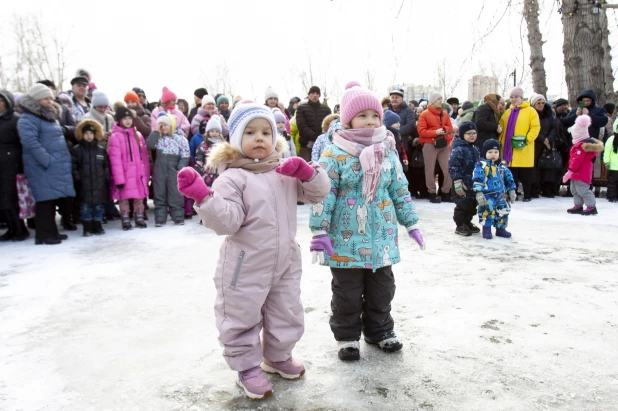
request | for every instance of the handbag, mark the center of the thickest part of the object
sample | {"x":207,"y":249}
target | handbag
{"x":25,"y":197}
{"x":440,"y":142}
{"x":550,"y":159}
{"x":519,"y":142}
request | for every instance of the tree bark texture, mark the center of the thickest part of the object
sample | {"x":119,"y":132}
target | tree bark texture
{"x":610,"y":93}
{"x":583,"y":50}
{"x":535,"y":40}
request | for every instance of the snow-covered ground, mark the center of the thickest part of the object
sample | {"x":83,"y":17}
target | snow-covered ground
{"x":125,"y":322}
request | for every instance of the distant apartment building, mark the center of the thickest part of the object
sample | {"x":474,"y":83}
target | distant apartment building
{"x":414,"y":92}
{"x":478,"y":86}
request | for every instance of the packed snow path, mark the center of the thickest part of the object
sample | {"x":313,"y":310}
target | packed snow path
{"x":125,"y":322}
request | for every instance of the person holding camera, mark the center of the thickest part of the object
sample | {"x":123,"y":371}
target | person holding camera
{"x":435,"y":131}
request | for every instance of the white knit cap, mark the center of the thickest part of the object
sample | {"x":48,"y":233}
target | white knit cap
{"x":242,"y":115}
{"x":270,"y":93}
{"x":208,"y":99}
{"x":433,"y":96}
{"x":214,"y":124}
{"x":40,"y":91}
{"x":536,"y":97}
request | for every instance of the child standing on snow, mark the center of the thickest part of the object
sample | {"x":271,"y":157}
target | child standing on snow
{"x":253,"y":202}
{"x":91,"y":174}
{"x":128,"y":156}
{"x":356,"y":225}
{"x":461,"y":163}
{"x":495,"y":190}
{"x":281,"y":121}
{"x":198,"y":138}
{"x":172,"y":155}
{"x":584,"y":150}
{"x":213,"y":136}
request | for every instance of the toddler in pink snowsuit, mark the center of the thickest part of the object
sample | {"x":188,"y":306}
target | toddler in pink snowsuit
{"x":253,"y":202}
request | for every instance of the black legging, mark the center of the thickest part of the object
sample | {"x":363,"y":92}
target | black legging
{"x":525,"y":175}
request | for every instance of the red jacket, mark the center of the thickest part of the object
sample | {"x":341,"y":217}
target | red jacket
{"x":580,"y":162}
{"x":429,"y":122}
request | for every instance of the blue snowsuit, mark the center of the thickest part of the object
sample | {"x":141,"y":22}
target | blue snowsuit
{"x":494,"y":180}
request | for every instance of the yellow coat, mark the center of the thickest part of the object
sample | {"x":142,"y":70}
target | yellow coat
{"x":294,"y":133}
{"x":529,"y":125}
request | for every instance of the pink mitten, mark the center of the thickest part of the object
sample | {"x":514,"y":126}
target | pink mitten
{"x":296,"y":167}
{"x":191,"y":185}
{"x":418,"y":237}
{"x":567,"y":176}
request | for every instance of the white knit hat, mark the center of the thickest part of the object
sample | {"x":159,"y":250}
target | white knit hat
{"x":214,"y":124}
{"x":40,"y":91}
{"x":433,"y":96}
{"x":208,"y":99}
{"x":242,"y":115}
{"x":536,"y":97}
{"x":270,"y":93}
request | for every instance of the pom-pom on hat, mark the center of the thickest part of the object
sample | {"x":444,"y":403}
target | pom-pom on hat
{"x":356,"y":99}
{"x":579,"y":130}
{"x":214,"y":124}
{"x":390,"y":118}
{"x":465,"y":127}
{"x":491,"y":144}
{"x":167,"y":95}
{"x":131,"y":96}
{"x":243,"y":113}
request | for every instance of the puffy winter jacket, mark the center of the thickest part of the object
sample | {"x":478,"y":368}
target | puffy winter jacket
{"x":47,"y":161}
{"x":128,"y":156}
{"x":181,"y":121}
{"x":580,"y":159}
{"x":486,"y":124}
{"x":407,"y":122}
{"x":11,"y":162}
{"x":609,"y":155}
{"x":598,"y":115}
{"x":195,"y":123}
{"x":493,"y":179}
{"x":431,"y":120}
{"x":309,"y":118}
{"x":363,"y":235}
{"x":91,"y":172}
{"x":528,"y":125}
{"x":461,"y":163}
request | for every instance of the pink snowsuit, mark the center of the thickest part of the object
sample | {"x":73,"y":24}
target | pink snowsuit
{"x":259,"y":268}
{"x":129,"y":163}
{"x":181,"y":121}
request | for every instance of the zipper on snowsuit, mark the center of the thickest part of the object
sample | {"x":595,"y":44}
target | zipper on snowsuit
{"x":237,"y":271}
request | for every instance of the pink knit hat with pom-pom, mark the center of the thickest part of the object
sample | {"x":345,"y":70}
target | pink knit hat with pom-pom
{"x":356,"y":99}
{"x":579,"y":131}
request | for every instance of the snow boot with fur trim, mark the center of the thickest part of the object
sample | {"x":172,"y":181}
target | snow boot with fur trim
{"x":349,"y":350}
{"x":389,"y":343}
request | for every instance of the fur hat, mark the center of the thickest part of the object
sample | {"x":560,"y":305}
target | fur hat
{"x":356,"y":99}
{"x":579,"y":130}
{"x":433,"y":96}
{"x":391,"y":118}
{"x":242,"y":115}
{"x":453,"y":100}
{"x":214,"y":124}
{"x":131,"y":96}
{"x":279,"y":117}
{"x":467,"y":105}
{"x":99,"y":99}
{"x":270,"y":93}
{"x":167,"y":95}
{"x":88,"y":125}
{"x":223,"y":99}
{"x":121,"y":113}
{"x":328,"y":120}
{"x":208,"y":99}
{"x":491,"y":144}
{"x":200,"y":92}
{"x":40,"y":91}
{"x":517,"y":92}
{"x":465,"y":127}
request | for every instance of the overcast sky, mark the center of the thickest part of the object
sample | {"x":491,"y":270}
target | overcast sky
{"x":269,"y":43}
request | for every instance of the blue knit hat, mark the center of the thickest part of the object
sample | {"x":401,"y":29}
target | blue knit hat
{"x":242,"y":115}
{"x":390,"y":118}
{"x":491,"y":144}
{"x":465,"y":127}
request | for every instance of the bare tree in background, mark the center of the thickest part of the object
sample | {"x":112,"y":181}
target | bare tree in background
{"x":444,"y":81}
{"x":535,"y":40}
{"x":220,"y":81}
{"x":503,"y":73}
{"x":36,"y":56}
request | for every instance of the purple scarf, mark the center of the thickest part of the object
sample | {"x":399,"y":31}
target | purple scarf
{"x":510,"y":131}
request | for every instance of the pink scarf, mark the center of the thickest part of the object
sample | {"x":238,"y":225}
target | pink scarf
{"x":371,"y":146}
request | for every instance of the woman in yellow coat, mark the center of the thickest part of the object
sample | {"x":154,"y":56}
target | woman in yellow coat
{"x":520,"y":126}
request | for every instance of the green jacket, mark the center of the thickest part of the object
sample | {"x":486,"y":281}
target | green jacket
{"x":466,"y":115}
{"x":609,"y":155}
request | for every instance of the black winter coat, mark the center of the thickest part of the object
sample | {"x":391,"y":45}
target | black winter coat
{"x":461,"y":164}
{"x":91,"y":172}
{"x":598,"y":115}
{"x":68,"y":123}
{"x":11,"y":162}
{"x":408,"y":122}
{"x":309,"y":117}
{"x":486,"y":124}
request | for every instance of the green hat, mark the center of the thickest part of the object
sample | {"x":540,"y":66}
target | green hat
{"x":223,"y":99}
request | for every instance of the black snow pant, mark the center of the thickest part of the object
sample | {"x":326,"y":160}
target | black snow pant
{"x":166,"y":194}
{"x":525,"y":176}
{"x":465,"y":210}
{"x":416,"y":182}
{"x":362,"y":302}
{"x":612,"y":185}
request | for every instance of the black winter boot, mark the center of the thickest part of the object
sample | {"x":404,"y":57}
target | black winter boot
{"x":139,"y":220}
{"x":87,"y":228}
{"x":126,"y":223}
{"x":67,"y":224}
{"x":473,"y":229}
{"x":433,"y":198}
{"x":349,"y":351}
{"x":97,"y":228}
{"x":388,"y":343}
{"x":463,"y":230}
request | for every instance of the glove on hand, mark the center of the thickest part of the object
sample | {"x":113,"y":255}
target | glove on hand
{"x":480,"y":198}
{"x":296,"y":167}
{"x":512,"y":196}
{"x":320,"y":244}
{"x":191,"y":185}
{"x":460,"y":188}
{"x":567,"y":176}
{"x":417,"y":236}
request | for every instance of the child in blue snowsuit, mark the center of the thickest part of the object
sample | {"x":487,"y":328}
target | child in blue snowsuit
{"x":461,"y":164}
{"x":492,"y":180}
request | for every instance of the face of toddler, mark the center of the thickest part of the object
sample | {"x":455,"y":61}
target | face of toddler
{"x":281,"y":126}
{"x":214,"y":134}
{"x":492,"y":154}
{"x":366,"y":119}
{"x":470,"y":136}
{"x":88,"y":136}
{"x":257,"y":139}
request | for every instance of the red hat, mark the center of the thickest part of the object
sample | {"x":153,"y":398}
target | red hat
{"x":131,"y":96}
{"x":167,"y":95}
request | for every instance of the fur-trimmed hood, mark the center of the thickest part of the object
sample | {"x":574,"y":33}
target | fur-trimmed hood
{"x":225,"y":153}
{"x":327,"y":120}
{"x":30,"y":105}
{"x":592,"y":145}
{"x":79,"y":129}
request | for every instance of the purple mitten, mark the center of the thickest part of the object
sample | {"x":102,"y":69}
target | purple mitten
{"x":418,"y":237}
{"x":191,"y":185}
{"x":296,"y":167}
{"x":320,"y":244}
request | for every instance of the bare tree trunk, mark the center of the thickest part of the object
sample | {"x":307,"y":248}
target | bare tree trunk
{"x":610,"y":93}
{"x":583,"y":50}
{"x":535,"y":40}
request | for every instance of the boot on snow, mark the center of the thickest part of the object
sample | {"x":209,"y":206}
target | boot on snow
{"x":487,"y":233}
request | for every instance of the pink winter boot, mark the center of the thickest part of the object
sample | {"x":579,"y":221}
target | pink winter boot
{"x":255,"y":383}
{"x":289,"y":369}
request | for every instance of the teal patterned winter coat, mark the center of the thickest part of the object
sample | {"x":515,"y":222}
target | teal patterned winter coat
{"x":363,"y":235}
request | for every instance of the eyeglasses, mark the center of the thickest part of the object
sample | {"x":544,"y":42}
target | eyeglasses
{"x":141,"y":95}
{"x":471,"y":133}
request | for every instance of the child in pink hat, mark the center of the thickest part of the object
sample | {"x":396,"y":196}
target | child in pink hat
{"x":168,"y":105}
{"x":355,"y":229}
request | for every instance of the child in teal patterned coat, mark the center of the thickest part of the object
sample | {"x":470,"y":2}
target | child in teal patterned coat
{"x":355,"y":227}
